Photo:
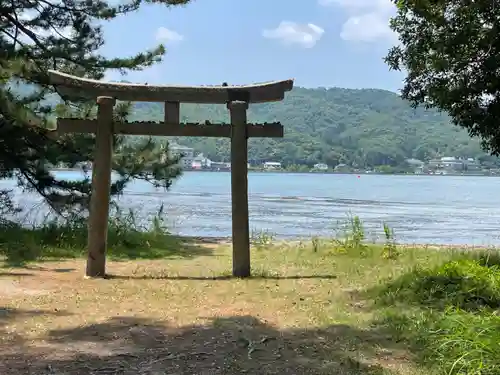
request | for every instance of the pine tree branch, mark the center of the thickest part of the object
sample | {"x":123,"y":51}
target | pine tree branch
{"x":31,"y":45}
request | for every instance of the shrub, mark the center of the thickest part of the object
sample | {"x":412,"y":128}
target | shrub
{"x":462,"y":283}
{"x":350,"y":238}
{"x":448,"y":314}
{"x":390,"y":250}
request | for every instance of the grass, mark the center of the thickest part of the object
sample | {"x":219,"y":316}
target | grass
{"x":448,"y":314}
{"x":323,"y":306}
{"x":127,"y":239}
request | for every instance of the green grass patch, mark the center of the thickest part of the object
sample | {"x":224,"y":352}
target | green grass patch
{"x":462,"y":283}
{"x":452,"y":341}
{"x":127,"y":239}
{"x":448,"y":314}
{"x":443,"y":304}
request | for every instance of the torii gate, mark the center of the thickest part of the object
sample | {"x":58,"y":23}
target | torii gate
{"x":236,"y":98}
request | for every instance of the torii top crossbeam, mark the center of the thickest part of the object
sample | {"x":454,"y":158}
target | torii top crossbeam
{"x":72,"y":87}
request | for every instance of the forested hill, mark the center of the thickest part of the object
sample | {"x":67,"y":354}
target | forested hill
{"x":364,"y":127}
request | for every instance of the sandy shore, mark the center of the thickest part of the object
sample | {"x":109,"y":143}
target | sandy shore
{"x":227,"y":240}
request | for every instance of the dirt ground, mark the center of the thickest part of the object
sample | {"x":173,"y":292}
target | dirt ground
{"x":297,"y":315}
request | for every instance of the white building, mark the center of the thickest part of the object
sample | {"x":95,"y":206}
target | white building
{"x":321,"y":167}
{"x":452,"y":163}
{"x":186,"y":152}
{"x":272,"y":165}
{"x":201,"y":162}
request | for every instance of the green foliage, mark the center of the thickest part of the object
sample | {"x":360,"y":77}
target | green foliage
{"x":127,"y":239}
{"x":451,"y":49}
{"x":361,"y":128}
{"x":448,"y":314}
{"x":350,"y":239}
{"x":463,"y":283}
{"x":453,"y":342}
{"x":464,"y":343}
{"x":66,"y":36}
{"x":390,"y":247}
{"x":262,"y":239}
{"x":315,"y":244}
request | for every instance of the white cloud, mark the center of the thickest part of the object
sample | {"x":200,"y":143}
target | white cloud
{"x":368,"y":20}
{"x":165,"y":35}
{"x":304,"y":35}
{"x":368,"y":27}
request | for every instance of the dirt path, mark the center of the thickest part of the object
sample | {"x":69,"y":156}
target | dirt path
{"x":296,"y":316}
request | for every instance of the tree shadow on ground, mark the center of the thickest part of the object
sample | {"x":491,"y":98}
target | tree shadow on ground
{"x":228,"y":345}
{"x":163,"y":246}
{"x":16,"y":274}
{"x":8,"y":315}
{"x":219,"y":278}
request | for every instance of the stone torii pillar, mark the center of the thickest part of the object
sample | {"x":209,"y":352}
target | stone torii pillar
{"x":237,"y":99}
{"x":239,"y":188}
{"x":101,"y":189}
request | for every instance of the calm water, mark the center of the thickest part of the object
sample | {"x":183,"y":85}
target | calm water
{"x":421,"y":209}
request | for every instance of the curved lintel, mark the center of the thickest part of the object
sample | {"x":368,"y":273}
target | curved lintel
{"x":72,"y":87}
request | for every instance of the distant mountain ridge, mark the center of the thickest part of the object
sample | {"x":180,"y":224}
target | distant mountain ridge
{"x":361,"y":127}
{"x":358,"y":127}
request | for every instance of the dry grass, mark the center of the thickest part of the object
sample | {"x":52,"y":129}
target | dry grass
{"x":299,"y":314}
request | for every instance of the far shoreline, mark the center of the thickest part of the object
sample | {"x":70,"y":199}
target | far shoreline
{"x":314,"y":172}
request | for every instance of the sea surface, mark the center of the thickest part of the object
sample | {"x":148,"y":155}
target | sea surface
{"x":420,"y":209}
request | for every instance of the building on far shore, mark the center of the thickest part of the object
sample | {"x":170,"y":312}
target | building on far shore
{"x":186,"y":153}
{"x":270,"y":165}
{"x":220,"y":166}
{"x":201,"y":162}
{"x":320,"y":167}
{"x":417,"y":165}
{"x":451,"y":164}
{"x":342,"y":168}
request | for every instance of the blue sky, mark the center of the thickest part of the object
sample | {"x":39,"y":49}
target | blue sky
{"x":319,"y":43}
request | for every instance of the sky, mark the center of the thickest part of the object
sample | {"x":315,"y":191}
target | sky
{"x":318,"y":43}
